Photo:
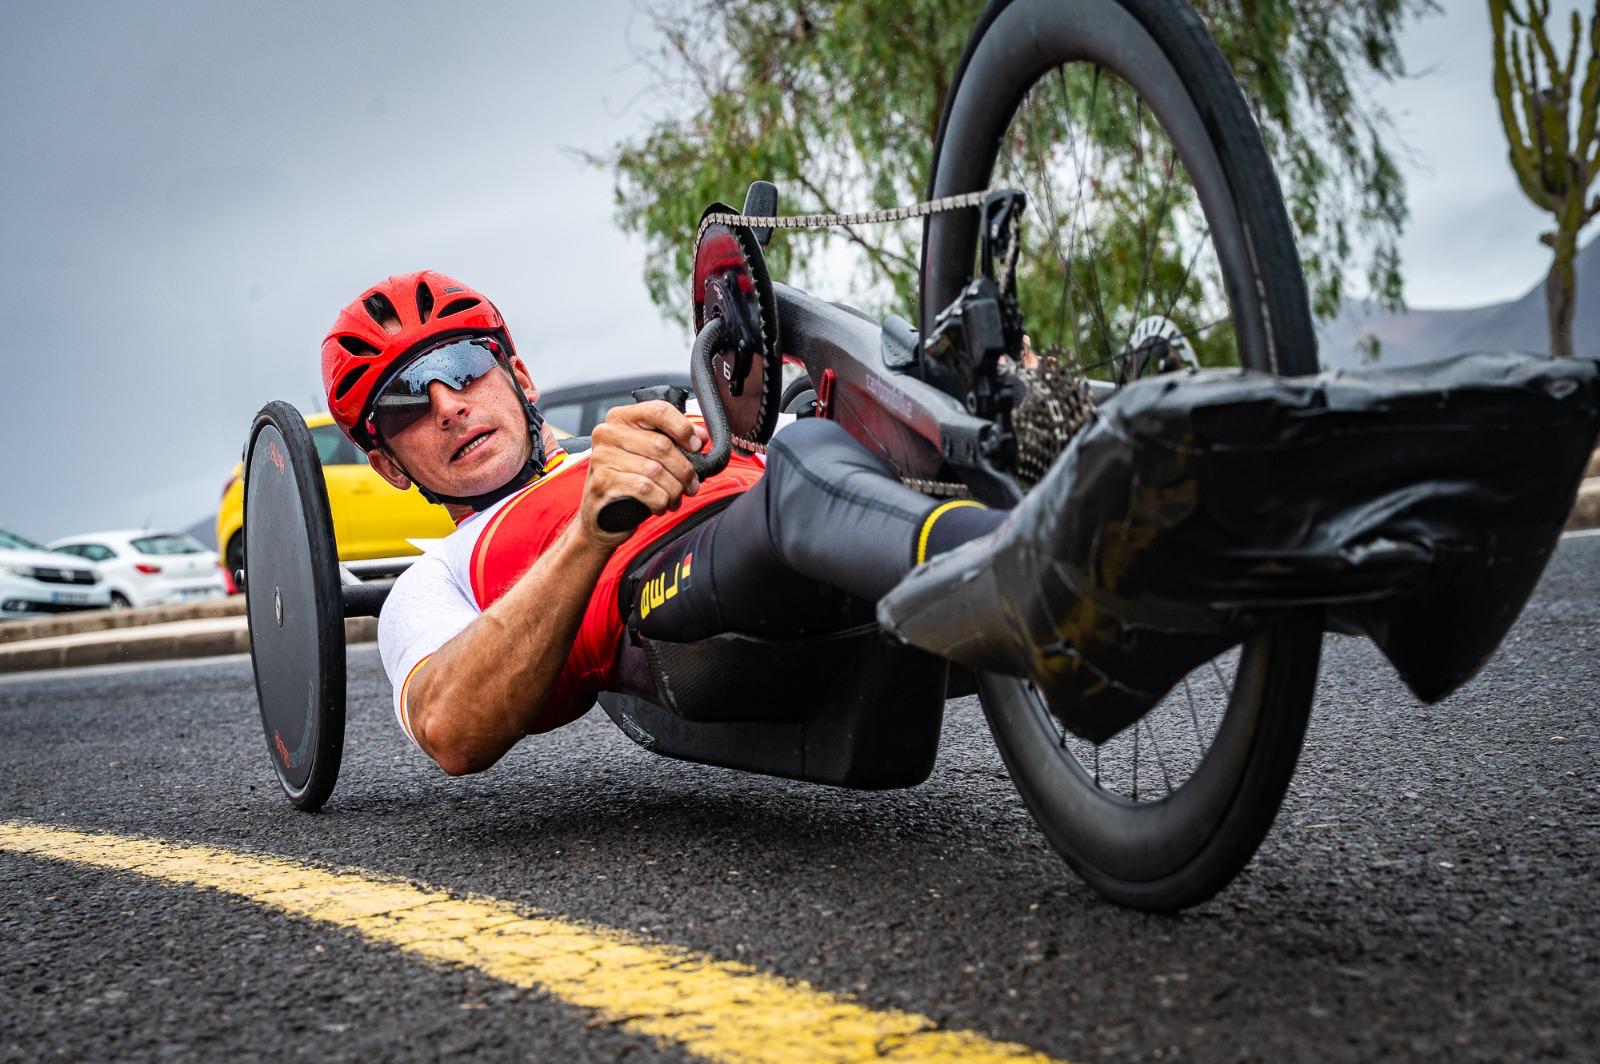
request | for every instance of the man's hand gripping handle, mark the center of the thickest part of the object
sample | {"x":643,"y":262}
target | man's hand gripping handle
{"x":624,"y":515}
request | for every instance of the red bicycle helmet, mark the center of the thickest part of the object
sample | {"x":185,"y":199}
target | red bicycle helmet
{"x":377,"y":332}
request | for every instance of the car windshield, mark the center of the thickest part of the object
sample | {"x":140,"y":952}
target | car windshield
{"x":167,"y":544}
{"x":333,"y":448}
{"x":15,"y":542}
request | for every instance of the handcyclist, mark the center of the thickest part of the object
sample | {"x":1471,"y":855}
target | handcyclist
{"x":511,"y":625}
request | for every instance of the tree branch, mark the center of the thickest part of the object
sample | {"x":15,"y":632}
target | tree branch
{"x":1589,"y":110}
{"x":1510,"y":86}
{"x":1540,"y":13}
{"x":874,"y":251}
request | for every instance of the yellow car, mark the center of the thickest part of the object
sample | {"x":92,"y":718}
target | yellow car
{"x":371,"y":519}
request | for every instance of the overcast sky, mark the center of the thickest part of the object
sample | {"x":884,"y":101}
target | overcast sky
{"x":190,"y":191}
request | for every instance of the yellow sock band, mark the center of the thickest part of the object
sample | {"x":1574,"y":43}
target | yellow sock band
{"x":934,"y":515}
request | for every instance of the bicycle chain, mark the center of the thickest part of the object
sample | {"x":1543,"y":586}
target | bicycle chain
{"x":964,"y":201}
{"x":829,"y":221}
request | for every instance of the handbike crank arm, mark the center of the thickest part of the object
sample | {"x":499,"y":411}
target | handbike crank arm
{"x":626,"y":514}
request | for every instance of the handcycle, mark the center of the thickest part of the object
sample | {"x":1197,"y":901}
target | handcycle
{"x":1115,"y":128}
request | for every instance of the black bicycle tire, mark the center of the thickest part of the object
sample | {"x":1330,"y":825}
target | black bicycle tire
{"x":797,"y":387}
{"x":1264,"y":738}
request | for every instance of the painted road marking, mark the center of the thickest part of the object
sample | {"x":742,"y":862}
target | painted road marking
{"x":720,"y":1010}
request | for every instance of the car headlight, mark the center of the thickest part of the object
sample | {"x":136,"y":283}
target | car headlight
{"x":25,"y":571}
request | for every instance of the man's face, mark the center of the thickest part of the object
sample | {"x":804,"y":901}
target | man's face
{"x":471,"y":441}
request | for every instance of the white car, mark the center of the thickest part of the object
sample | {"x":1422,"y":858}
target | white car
{"x":34,"y":581}
{"x":148,"y":568}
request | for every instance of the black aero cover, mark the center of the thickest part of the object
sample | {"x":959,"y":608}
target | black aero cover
{"x":1416,"y":506}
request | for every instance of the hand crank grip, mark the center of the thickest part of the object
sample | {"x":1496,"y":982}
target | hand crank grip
{"x":624,"y":515}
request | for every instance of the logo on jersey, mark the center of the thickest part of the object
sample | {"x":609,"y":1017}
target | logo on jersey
{"x":656,"y":592}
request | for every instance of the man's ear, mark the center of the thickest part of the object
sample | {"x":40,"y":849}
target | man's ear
{"x":524,"y":380}
{"x":388,"y":468}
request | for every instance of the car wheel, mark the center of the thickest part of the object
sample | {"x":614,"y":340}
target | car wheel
{"x":235,"y":557}
{"x":119,"y":601}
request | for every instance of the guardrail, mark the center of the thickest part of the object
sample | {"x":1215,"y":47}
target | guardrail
{"x":102,"y":620}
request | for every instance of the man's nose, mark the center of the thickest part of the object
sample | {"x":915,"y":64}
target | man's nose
{"x":447,"y":402}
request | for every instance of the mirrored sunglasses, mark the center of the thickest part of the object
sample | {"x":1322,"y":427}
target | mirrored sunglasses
{"x":404,"y":399}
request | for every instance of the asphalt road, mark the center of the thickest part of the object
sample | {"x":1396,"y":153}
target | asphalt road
{"x":1429,"y":890}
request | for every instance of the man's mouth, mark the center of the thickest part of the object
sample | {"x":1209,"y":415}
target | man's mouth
{"x":473,"y":443}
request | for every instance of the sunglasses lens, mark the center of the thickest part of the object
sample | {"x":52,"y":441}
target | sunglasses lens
{"x":405,"y":400}
{"x":394,"y":414}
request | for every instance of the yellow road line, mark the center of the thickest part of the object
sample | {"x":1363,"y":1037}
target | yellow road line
{"x":720,"y":1010}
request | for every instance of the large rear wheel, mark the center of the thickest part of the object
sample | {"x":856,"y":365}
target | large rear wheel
{"x":1156,"y":238}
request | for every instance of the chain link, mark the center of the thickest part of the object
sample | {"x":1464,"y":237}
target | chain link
{"x":939,"y":488}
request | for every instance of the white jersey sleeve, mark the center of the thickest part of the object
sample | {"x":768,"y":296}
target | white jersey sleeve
{"x":432,"y":601}
{"x":424,"y":612}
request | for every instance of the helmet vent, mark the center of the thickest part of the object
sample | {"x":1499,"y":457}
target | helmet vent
{"x":358,"y":347}
{"x":424,"y":302}
{"x":348,"y":381}
{"x":456,"y":306}
{"x":382,"y":311}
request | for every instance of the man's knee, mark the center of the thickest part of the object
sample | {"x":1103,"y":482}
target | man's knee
{"x":817,"y":444}
{"x":805,"y":436}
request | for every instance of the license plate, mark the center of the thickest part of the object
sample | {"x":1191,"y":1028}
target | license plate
{"x":69,"y":598}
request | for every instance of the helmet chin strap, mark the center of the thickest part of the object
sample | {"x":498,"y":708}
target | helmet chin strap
{"x":531,"y":470}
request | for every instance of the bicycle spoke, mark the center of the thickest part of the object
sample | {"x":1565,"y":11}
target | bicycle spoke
{"x":1053,"y":217}
{"x":1188,"y":271}
{"x":1161,"y":221}
{"x":1136,"y":762}
{"x":1088,"y":238}
{"x":1096,"y":306}
{"x":1067,"y":310}
{"x":1195,"y":334}
{"x":1194,"y":716}
{"x":1081,"y":162}
{"x":1079,"y":159}
{"x":1092,"y":366}
{"x":1120,"y":765}
{"x":1008,"y":161}
{"x":1144,"y":216}
{"x":1161,"y":762}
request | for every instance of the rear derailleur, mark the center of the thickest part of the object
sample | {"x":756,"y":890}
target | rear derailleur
{"x":968,"y":338}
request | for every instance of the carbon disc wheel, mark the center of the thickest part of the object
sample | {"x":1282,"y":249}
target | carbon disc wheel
{"x":1156,"y":238}
{"x":294,"y":606}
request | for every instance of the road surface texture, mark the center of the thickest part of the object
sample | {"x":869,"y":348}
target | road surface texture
{"x":1429,"y":890}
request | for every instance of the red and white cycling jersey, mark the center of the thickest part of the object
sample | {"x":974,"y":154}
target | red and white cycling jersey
{"x":460,"y":575}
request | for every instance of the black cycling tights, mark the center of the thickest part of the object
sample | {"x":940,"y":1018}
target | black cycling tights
{"x":827,"y":531}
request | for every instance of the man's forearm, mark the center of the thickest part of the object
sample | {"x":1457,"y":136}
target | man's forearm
{"x":483,"y":690}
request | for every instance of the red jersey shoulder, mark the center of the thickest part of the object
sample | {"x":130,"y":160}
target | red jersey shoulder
{"x":530,"y":521}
